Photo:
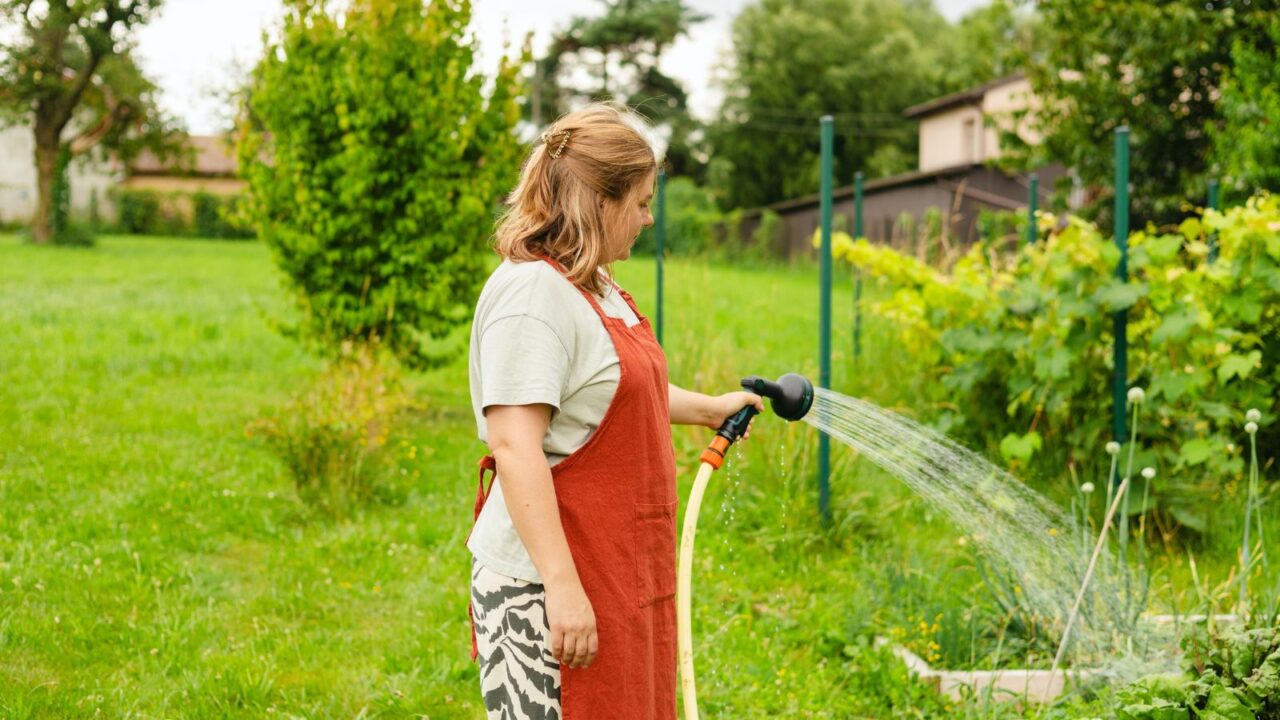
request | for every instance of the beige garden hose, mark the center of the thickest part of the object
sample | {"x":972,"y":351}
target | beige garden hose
{"x":791,"y":397}
{"x":684,"y":628}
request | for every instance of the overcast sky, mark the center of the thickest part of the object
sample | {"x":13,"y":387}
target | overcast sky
{"x":196,"y":49}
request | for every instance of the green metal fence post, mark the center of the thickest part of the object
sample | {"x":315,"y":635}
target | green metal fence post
{"x":1213,"y":205}
{"x":824,"y":331}
{"x":660,"y":233}
{"x":1033,"y":201}
{"x":857,"y":274}
{"x":1120,"y":378}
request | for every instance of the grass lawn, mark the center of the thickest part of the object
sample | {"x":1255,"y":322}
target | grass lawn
{"x":155,"y":562}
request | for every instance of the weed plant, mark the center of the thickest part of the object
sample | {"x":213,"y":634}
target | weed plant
{"x":333,"y":438}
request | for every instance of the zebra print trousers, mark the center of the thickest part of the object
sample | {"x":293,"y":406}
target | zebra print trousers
{"x":518,"y":677}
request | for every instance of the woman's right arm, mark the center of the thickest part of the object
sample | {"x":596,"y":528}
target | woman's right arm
{"x":515,"y":440}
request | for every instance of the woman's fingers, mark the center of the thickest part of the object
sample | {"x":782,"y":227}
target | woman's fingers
{"x":593,"y":648}
{"x":573,"y":625}
{"x":584,"y":652}
{"x":575,"y":647}
{"x":570,"y":655}
{"x":557,"y":644}
{"x":580,"y":648}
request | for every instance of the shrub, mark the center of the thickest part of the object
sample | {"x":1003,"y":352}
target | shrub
{"x":206,"y":215}
{"x":180,"y":214}
{"x":217,"y":216}
{"x":333,"y":438}
{"x":375,"y":162}
{"x":766,"y":243}
{"x":769,"y":235}
{"x":1023,"y":341}
{"x":138,"y":211}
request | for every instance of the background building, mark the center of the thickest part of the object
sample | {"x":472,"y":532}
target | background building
{"x":208,"y":164}
{"x":955,"y":180}
{"x":91,"y":179}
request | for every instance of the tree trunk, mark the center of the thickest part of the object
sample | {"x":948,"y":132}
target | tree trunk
{"x":46,"y":174}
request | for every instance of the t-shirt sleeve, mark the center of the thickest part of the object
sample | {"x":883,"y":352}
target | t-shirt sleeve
{"x":522,"y":361}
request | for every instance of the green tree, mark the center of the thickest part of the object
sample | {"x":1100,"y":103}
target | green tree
{"x":863,"y":61}
{"x":1154,"y":65}
{"x":71,"y":65}
{"x":1246,"y":141}
{"x":375,"y":162}
{"x":989,"y":42}
{"x":615,"y":56}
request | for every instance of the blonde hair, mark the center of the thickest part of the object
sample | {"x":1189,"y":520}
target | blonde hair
{"x":593,"y":154}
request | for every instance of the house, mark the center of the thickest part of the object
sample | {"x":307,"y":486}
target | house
{"x":89,"y":177}
{"x":964,"y":128}
{"x":954,"y":182}
{"x":207,"y":163}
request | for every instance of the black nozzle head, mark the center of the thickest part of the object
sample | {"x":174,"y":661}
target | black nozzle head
{"x":790,"y":397}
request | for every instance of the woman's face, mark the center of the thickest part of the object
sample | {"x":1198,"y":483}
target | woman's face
{"x":634,"y":216}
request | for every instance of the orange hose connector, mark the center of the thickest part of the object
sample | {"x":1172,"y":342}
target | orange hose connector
{"x":714,"y":454}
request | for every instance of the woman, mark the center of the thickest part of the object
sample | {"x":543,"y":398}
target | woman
{"x":573,"y":578}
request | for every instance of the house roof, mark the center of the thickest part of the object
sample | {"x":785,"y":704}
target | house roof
{"x":884,"y":183}
{"x":210,"y":156}
{"x":972,"y":96}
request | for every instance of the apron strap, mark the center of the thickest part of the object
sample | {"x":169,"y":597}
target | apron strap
{"x":591,"y":298}
{"x":489,"y":465}
{"x":630,"y":300}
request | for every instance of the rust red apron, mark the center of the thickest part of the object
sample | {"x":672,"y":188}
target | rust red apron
{"x":617,"y":499}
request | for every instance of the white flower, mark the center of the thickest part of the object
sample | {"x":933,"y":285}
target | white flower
{"x":1086,"y":488}
{"x":1253,"y":415}
{"x":1251,"y":428}
{"x":1113,"y":448}
{"x":1148,"y":472}
{"x":1136,"y":395}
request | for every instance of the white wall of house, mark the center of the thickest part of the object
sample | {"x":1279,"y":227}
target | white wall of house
{"x":960,"y":135}
{"x":952,"y":137}
{"x":17,"y":175}
{"x":88,"y":177}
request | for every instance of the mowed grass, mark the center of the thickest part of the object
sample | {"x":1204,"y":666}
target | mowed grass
{"x":155,"y":561}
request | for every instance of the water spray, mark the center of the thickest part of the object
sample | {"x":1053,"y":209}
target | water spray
{"x":790,"y":397}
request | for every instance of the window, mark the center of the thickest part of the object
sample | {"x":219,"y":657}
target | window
{"x":969,"y":141}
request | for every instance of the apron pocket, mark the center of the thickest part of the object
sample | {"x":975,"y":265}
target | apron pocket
{"x":655,"y":545}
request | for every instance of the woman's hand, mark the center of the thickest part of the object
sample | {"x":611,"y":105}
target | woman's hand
{"x":691,"y":408}
{"x":722,"y":407}
{"x":573,"y":624}
{"x":515,"y":439}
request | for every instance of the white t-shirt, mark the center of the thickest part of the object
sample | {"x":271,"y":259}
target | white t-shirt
{"x":536,"y":339}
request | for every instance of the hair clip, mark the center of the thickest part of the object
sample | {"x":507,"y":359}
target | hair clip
{"x":546,"y":138}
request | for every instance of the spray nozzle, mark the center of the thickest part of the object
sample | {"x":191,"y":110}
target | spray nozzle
{"x":791,"y":397}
